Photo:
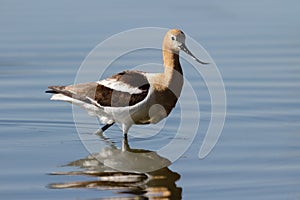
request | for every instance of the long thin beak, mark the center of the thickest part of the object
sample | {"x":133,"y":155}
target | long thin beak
{"x":186,"y":50}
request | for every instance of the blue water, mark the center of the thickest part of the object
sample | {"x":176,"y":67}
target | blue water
{"x":256,"y":46}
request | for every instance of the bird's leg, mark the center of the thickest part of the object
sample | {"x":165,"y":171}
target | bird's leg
{"x":125,"y":145}
{"x":125,"y":129}
{"x":104,"y":128}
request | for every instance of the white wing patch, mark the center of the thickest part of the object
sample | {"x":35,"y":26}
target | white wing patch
{"x":119,"y":86}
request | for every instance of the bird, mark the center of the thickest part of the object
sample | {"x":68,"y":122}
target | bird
{"x":133,"y":97}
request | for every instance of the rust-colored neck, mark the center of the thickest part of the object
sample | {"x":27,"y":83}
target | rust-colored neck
{"x":171,"y":62}
{"x":173,"y":76}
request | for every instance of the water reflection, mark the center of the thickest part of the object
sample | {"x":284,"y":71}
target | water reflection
{"x":127,"y":173}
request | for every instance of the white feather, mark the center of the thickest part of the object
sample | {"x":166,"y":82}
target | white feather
{"x":61,"y":97}
{"x":90,"y":108}
{"x":119,"y":86}
{"x":123,"y":115}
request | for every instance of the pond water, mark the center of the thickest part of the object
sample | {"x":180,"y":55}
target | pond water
{"x":256,"y":46}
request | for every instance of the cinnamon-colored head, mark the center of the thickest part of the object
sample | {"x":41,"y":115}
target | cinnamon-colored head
{"x":174,"y":41}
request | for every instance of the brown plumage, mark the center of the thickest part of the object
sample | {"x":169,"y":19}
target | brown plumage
{"x":106,"y":96}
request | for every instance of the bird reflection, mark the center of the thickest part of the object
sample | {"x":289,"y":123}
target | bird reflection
{"x":125,"y":170}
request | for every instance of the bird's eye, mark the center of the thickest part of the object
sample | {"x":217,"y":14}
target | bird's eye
{"x":173,"y":38}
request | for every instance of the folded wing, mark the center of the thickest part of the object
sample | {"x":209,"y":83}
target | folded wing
{"x":124,"y":89}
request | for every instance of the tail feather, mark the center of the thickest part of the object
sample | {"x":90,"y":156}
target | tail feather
{"x":55,"y":89}
{"x":62,"y":91}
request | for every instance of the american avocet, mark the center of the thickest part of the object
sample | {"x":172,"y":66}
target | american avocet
{"x":132,"y":97}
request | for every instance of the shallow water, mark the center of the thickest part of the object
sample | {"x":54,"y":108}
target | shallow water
{"x":256,"y":46}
